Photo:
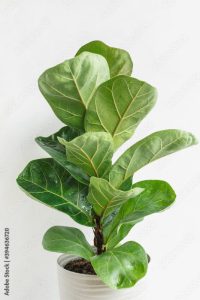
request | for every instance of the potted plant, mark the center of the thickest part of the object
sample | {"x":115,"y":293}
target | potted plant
{"x":101,"y":106}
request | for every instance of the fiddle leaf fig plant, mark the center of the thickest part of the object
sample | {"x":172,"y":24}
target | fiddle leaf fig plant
{"x":101,"y":107}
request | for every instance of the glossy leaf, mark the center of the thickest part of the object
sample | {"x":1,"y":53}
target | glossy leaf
{"x":56,"y":150}
{"x":156,"y":196}
{"x":119,"y":60}
{"x":118,"y":106}
{"x":152,"y":147}
{"x":51,"y":184}
{"x":121,"y":267}
{"x":105,"y":198}
{"x":67,"y":240}
{"x":92,"y":152}
{"x":69,"y":86}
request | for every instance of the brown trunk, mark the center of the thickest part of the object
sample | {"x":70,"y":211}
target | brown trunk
{"x":98,"y":236}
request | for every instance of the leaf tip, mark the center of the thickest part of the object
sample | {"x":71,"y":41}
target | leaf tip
{"x":62,"y":141}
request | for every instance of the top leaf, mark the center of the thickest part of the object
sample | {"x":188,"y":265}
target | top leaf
{"x":119,"y":60}
{"x":118,"y":106}
{"x":152,"y":147}
{"x":69,"y":86}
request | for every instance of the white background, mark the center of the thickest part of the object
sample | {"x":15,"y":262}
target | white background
{"x":163,"y":39}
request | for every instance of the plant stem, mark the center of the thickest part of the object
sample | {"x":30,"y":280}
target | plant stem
{"x":98,"y":236}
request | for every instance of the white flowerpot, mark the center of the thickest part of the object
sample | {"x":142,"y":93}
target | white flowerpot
{"x":75,"y":286}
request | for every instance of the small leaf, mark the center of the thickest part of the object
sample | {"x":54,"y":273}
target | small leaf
{"x":67,"y":240}
{"x":92,"y":152}
{"x":57,"y":151}
{"x":69,"y":86}
{"x":157,"y":195}
{"x":152,"y":147}
{"x":121,"y":267}
{"x":118,"y":106}
{"x":48,"y":182}
{"x":105,"y":198}
{"x":119,"y":60}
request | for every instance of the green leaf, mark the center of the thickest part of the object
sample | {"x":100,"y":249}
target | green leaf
{"x":118,"y":106}
{"x":126,"y":184}
{"x":157,"y":195}
{"x":52,"y":146}
{"x":105,"y":198}
{"x":51,"y":184}
{"x":152,"y":147}
{"x":69,"y":86}
{"x":92,"y":152}
{"x":67,"y":240}
{"x":121,"y":267}
{"x":119,"y":60}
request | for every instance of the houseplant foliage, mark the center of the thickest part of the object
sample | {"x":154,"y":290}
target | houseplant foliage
{"x":101,"y":107}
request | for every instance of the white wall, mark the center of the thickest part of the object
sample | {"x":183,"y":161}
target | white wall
{"x":163,"y":38}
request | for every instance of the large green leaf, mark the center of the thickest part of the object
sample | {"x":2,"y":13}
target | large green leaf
{"x":56,"y":150}
{"x":119,"y":60}
{"x":121,"y":267}
{"x":92,"y":152}
{"x":69,"y":86}
{"x":156,"y":196}
{"x":67,"y":240}
{"x":105,"y":198}
{"x":51,"y":184}
{"x":118,"y":106}
{"x":152,"y":147}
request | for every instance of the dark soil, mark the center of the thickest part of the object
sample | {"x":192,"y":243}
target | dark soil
{"x":80,"y":266}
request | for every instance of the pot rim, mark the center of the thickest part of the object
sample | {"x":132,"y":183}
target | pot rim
{"x":73,"y":274}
